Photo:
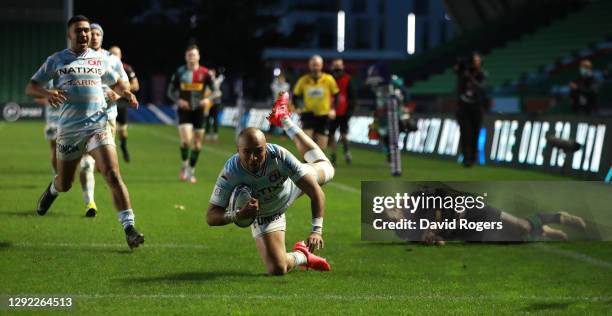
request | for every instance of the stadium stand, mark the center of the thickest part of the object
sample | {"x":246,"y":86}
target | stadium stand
{"x":31,"y":44}
{"x":532,"y":53}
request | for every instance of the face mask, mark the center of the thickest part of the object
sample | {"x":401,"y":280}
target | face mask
{"x":585,"y":72}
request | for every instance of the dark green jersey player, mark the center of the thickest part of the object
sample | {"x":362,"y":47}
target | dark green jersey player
{"x":187,"y":90}
{"x":505,"y":227}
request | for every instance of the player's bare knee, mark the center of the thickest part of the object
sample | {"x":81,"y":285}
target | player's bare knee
{"x":326,"y":171}
{"x":113,"y":176}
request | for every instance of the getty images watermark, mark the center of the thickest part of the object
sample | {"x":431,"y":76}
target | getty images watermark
{"x":434,"y":202}
{"x":491,"y":211}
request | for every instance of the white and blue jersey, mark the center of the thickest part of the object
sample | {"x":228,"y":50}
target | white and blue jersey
{"x":117,"y":66}
{"x":51,"y":113}
{"x":80,"y":77}
{"x":274,"y":184}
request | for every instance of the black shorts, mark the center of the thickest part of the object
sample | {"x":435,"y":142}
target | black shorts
{"x":339,"y":121}
{"x":318,"y":123}
{"x":194,"y":117}
{"x":122,"y":115}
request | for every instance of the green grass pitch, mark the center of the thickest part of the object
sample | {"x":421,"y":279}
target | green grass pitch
{"x":186,"y":267}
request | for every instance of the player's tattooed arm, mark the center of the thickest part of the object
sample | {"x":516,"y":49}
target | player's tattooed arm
{"x":308,"y":184}
{"x":134,"y":83}
{"x":54,"y":97}
{"x":206,"y":101}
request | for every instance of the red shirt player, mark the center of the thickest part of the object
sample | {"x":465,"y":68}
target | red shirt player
{"x":347,"y":98}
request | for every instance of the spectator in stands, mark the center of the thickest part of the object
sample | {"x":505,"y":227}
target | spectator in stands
{"x":211,"y":117}
{"x":583,"y":90}
{"x":471,"y":102}
{"x":279,"y":84}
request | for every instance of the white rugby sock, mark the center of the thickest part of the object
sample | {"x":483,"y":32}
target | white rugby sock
{"x":126,"y":218}
{"x":87,"y":186}
{"x":290,"y":127}
{"x":52,"y":189}
{"x":299,"y":257}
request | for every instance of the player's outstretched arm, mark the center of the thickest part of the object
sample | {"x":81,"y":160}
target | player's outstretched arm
{"x":41,"y":101}
{"x":217,"y":216}
{"x":54,"y":97}
{"x":123,"y":89}
{"x":308,"y":184}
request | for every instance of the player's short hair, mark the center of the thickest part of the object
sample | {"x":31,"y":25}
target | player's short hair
{"x":249,"y":131}
{"x":192,"y":46}
{"x":313,"y":57}
{"x":77,"y":18}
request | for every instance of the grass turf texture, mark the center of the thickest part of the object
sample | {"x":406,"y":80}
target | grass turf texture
{"x":187,"y":267}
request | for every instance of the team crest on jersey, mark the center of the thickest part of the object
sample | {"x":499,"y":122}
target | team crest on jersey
{"x":274,"y":176}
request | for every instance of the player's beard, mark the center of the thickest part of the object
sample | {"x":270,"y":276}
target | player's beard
{"x":254,"y":167}
{"x":315,"y":74}
{"x":82,"y":42}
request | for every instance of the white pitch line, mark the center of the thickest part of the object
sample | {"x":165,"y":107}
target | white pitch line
{"x":338,"y":297}
{"x":107,"y":245}
{"x":575,"y":255}
{"x":344,"y":187}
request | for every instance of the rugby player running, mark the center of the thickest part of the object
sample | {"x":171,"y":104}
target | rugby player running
{"x":187,"y":88}
{"x":78,"y":73}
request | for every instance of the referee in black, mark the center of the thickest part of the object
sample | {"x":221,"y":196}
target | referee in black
{"x":471,"y":102}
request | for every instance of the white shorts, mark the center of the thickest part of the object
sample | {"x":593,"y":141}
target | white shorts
{"x":275,"y":222}
{"x":112,"y":123}
{"x":51,"y":132}
{"x":73,"y":147}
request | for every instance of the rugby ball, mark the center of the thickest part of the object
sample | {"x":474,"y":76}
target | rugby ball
{"x":240,"y":196}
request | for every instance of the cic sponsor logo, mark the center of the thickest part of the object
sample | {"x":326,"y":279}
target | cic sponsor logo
{"x":12,"y":112}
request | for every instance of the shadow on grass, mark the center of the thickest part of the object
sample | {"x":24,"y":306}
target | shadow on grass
{"x":32,"y":213}
{"x":193,"y":276}
{"x":18,"y":186}
{"x":540,"y":307}
{"x":5,"y":244}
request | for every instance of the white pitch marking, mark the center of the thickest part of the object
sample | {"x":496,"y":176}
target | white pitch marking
{"x":575,"y":255}
{"x":343,"y":297}
{"x":566,"y":253}
{"x":106,"y":245}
